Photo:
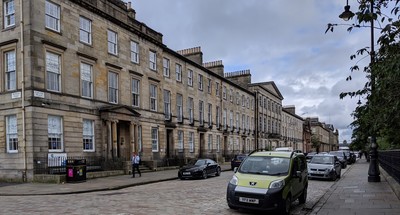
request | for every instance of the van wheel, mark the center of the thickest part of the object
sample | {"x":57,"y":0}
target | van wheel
{"x":286,"y":205}
{"x":303,"y":196}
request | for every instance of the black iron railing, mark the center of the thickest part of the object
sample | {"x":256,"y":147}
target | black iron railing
{"x":390,"y":162}
{"x":57,"y":165}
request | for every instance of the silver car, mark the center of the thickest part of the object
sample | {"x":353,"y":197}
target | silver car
{"x":324,"y":166}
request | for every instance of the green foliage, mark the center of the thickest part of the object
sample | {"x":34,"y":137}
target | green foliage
{"x":380,"y":115}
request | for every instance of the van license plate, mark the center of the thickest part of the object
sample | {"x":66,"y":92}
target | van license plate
{"x":248,"y":200}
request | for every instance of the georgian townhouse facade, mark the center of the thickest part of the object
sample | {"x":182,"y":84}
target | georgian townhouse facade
{"x":85,"y":78}
{"x":267,"y":109}
{"x":292,"y":129}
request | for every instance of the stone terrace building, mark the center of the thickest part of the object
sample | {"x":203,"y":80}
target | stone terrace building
{"x":268,"y":109}
{"x":292,"y":129}
{"x":85,"y":78}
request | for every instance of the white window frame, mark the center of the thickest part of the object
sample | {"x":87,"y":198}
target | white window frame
{"x":218,"y":144}
{"x":201,"y":113}
{"x":154,"y":139}
{"x":55,"y":131}
{"x":217,"y":89}
{"x":88,"y":135}
{"x":135,"y":92}
{"x":231,"y":120}
{"x":112,"y":41}
{"x":167,"y":104}
{"x":153,"y":60}
{"x":134,"y":52}
{"x":190,"y":77}
{"x":166,"y":67}
{"x":209,"y":86}
{"x":178,"y":72}
{"x":86,"y":80}
{"x":224,"y":118}
{"x":179,"y":107}
{"x":200,"y":77}
{"x":53,"y":71}
{"x":85,"y":30}
{"x":10,"y":66}
{"x":190,"y":110}
{"x":237,"y":120}
{"x":209,"y":114}
{"x":180,"y":141}
{"x":9,"y":13}
{"x":153,"y":97}
{"x":217,"y":116}
{"x":210,"y":143}
{"x":52,"y":16}
{"x":12,"y":133}
{"x":113,"y":87}
{"x":191,"y":141}
{"x":139,"y":139}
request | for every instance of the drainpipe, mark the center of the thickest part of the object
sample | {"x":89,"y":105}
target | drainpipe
{"x":256,"y":120}
{"x":24,"y":173}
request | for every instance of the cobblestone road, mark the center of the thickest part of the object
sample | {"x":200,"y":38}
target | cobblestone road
{"x":168,"y":198}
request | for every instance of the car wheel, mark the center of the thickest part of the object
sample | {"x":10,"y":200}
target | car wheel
{"x":204,"y":174}
{"x":286,"y":205}
{"x":334,"y":176}
{"x":303,"y":196}
{"x":218,"y":173}
{"x":340,"y":174}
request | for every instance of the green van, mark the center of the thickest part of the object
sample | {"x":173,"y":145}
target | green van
{"x":269,"y":180}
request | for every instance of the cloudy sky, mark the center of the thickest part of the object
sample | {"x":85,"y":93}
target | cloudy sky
{"x":277,"y":40}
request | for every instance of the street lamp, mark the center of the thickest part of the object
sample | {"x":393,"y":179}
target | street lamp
{"x":373,"y":171}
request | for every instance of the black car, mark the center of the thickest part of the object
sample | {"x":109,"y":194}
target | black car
{"x":341,"y":156}
{"x":237,"y":160}
{"x":200,"y":168}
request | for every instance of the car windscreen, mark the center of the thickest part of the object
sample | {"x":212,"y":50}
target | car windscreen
{"x":198,"y":162}
{"x":265,"y":165}
{"x":337,"y":154}
{"x":322,"y":160}
{"x":241,"y":157}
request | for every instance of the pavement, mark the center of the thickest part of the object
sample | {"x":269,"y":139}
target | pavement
{"x":352,"y":194}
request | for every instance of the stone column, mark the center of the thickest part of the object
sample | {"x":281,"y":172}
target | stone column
{"x":114,"y":138}
{"x":109,"y":140}
{"x":132,"y":135}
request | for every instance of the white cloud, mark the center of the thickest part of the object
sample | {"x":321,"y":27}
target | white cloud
{"x":278,"y":40}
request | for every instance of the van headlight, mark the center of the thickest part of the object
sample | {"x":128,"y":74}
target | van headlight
{"x":234,"y":180}
{"x":277,"y":184}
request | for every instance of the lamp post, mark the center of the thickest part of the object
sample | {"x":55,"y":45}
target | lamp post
{"x":373,"y":171}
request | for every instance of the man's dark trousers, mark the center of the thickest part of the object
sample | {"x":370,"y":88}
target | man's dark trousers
{"x":135,"y":166}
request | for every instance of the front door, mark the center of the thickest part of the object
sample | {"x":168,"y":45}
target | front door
{"x":170,"y":143}
{"x":201,"y":145}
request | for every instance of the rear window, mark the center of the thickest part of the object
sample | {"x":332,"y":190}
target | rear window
{"x":265,"y":165}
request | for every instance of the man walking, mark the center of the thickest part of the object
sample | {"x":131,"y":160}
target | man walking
{"x":135,"y":164}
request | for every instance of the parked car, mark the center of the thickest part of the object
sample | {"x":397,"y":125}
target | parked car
{"x":310,"y":155}
{"x":324,"y":167}
{"x":269,"y":180}
{"x":200,"y":168}
{"x":341,"y":156}
{"x":349,"y":156}
{"x":237,"y":160}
